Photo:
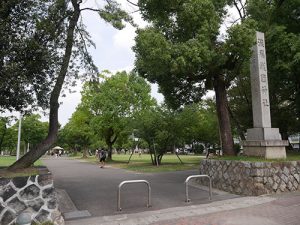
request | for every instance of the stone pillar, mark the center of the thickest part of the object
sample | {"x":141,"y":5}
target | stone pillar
{"x":262,"y":139}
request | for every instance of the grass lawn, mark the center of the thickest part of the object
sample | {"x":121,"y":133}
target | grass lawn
{"x":143,"y":164}
{"x":171,"y":163}
{"x":291,"y":156}
{"x":6,"y":161}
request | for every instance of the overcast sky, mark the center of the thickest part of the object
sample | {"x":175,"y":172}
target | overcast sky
{"x":113,"y":51}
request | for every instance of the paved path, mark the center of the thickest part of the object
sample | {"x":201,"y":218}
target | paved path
{"x":262,"y":210}
{"x":94,"y":189}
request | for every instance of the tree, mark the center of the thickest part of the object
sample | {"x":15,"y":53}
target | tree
{"x":113,"y":103}
{"x":33,"y":130}
{"x":78,"y":131}
{"x":66,"y":14}
{"x":28,"y":58}
{"x":3,"y":130}
{"x":277,"y":19}
{"x":183,"y":52}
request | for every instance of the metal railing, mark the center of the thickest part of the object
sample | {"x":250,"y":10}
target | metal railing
{"x":187,"y":186}
{"x":131,"y":182}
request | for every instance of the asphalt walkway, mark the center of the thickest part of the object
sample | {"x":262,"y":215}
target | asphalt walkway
{"x":86,"y":188}
{"x":262,"y":210}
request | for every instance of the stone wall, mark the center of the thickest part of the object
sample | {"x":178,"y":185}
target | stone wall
{"x":252,"y":178}
{"x":35,"y":194}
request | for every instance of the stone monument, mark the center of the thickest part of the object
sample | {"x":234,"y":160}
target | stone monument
{"x":262,"y":140}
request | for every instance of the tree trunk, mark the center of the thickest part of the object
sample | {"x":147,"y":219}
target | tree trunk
{"x":35,"y":153}
{"x":109,"y":155}
{"x":223,"y":116}
{"x":238,"y":125}
{"x":84,"y":153}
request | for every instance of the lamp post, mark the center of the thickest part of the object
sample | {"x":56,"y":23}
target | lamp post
{"x":19,"y":137}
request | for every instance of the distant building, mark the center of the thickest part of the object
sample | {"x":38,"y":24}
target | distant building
{"x":294,"y":140}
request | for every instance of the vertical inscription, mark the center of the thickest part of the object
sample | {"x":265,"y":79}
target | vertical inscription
{"x":259,"y":84}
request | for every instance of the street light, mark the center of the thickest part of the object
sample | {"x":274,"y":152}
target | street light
{"x":19,"y":137}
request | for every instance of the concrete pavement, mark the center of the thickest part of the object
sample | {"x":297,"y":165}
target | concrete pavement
{"x":262,"y":210}
{"x":93,"y":191}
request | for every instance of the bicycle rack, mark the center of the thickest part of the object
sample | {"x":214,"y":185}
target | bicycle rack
{"x":187,"y":186}
{"x":131,"y":182}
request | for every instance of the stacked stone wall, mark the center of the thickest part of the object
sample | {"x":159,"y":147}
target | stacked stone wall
{"x":252,"y":178}
{"x":35,"y":194}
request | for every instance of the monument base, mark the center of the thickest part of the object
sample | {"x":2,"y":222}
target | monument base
{"x":269,"y":149}
{"x":263,"y":133}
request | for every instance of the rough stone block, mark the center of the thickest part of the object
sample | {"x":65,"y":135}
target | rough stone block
{"x":43,"y":216}
{"x":45,"y":179}
{"x":20,"y":182}
{"x":286,"y":171}
{"x":52,"y":204}
{"x":33,"y":178}
{"x":16,"y":204}
{"x":36,"y":204}
{"x":282,"y":186}
{"x":7,"y":192}
{"x":284,"y":178}
{"x":297,"y":177}
{"x":4,"y":182}
{"x":30,"y":192}
{"x":7,"y":217}
{"x":275,"y":187}
{"x":49,"y":193}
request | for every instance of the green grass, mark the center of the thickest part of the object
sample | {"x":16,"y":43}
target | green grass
{"x":6,"y":161}
{"x":143,"y":164}
{"x":291,"y":156}
{"x":171,"y":163}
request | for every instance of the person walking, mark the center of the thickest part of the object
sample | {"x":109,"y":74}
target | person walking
{"x":102,"y":157}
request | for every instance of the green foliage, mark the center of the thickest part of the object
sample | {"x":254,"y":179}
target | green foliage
{"x":277,"y":19}
{"x":33,"y":130}
{"x":114,"y":102}
{"x":29,"y":59}
{"x":78,"y":132}
{"x":164,"y":129}
{"x":182,"y":51}
{"x":113,"y":14}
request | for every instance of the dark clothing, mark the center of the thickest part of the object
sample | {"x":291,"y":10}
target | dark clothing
{"x":102,"y":156}
{"x":102,"y":159}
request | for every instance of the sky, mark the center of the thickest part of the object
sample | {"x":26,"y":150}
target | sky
{"x":113,"y":51}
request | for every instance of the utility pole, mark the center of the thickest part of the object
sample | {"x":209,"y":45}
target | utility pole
{"x":19,"y":137}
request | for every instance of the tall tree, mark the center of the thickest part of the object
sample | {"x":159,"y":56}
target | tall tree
{"x":33,"y":130}
{"x":66,"y":13}
{"x":113,"y":102}
{"x":78,"y":131}
{"x":277,"y":19}
{"x":184,"y":53}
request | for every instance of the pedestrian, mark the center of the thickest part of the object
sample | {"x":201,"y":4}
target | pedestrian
{"x":102,"y":157}
{"x":140,"y":152}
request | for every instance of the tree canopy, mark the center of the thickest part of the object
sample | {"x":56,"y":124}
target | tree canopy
{"x":66,"y":42}
{"x":184,"y":53}
{"x":113,"y":102}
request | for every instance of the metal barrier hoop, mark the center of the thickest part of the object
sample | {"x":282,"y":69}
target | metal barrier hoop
{"x":187,"y":184}
{"x":130,"y":182}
